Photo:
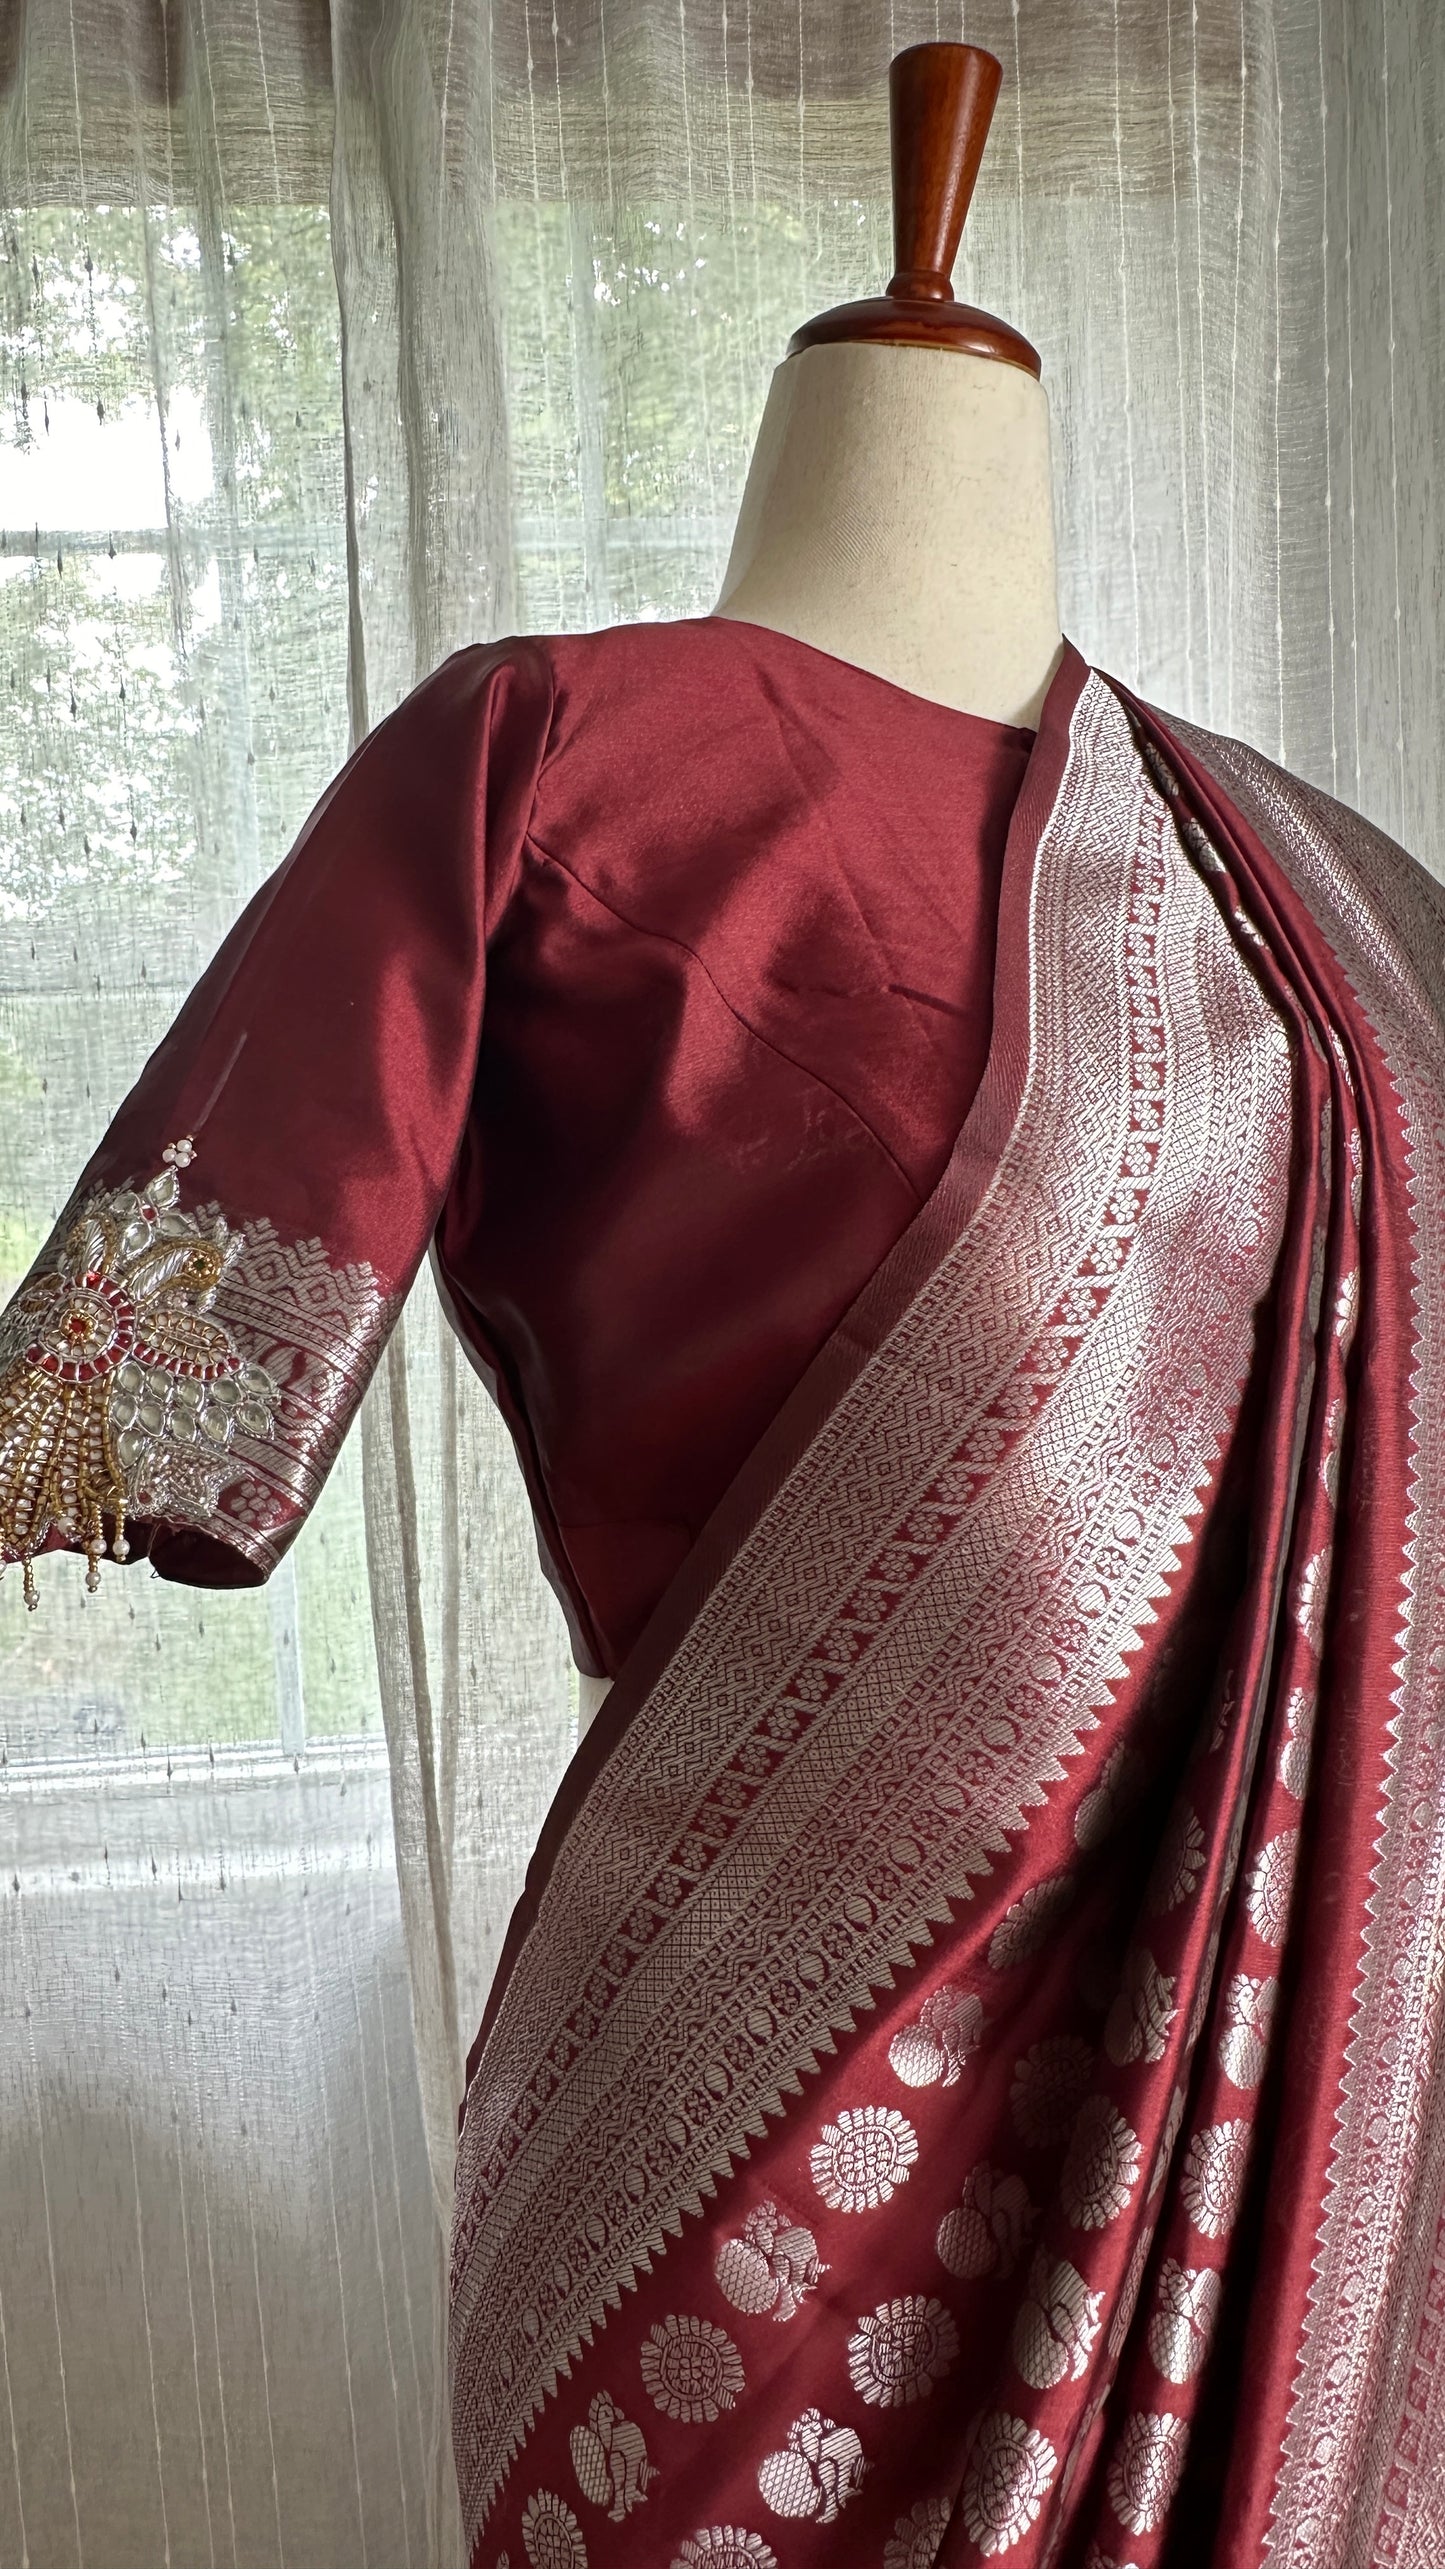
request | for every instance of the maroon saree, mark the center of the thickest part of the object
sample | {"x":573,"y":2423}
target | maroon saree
{"x":960,"y":2077}
{"x":962,"y":2080}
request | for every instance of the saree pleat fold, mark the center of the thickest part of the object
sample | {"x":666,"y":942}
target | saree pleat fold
{"x":959,"y":2071}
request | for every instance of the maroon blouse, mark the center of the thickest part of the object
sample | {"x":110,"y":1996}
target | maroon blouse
{"x":687,"y":931}
{"x":738,"y":1002}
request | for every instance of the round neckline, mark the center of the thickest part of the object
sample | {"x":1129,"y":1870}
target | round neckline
{"x":1023,"y":732}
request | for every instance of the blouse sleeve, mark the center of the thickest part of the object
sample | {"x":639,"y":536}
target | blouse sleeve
{"x":181,"y":1364}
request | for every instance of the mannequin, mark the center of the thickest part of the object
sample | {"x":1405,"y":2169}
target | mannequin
{"x":939,"y":577}
{"x":899,"y":510}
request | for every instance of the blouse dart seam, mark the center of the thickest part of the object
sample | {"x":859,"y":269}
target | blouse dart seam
{"x":531,"y":843}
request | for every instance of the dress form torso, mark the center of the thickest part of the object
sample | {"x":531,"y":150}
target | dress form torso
{"x":939,"y":578}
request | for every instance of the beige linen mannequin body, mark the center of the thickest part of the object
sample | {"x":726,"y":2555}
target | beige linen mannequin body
{"x":899,"y":514}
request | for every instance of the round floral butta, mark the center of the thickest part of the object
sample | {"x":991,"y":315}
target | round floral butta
{"x":1048,"y":2084}
{"x":551,"y":2534}
{"x":1010,"y":2471}
{"x":1270,"y":1880}
{"x":916,"y":2536}
{"x":1100,"y":2166}
{"x":1144,"y":2473}
{"x":1213,"y":2174}
{"x":901,"y":2349}
{"x":1032,"y":1922}
{"x":725,"y":2546}
{"x":691,"y":2369}
{"x":859,"y":2161}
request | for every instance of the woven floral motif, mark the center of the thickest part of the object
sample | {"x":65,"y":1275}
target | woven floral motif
{"x":914,"y":2541}
{"x":771,"y":2266}
{"x":1032,"y":1923}
{"x":1056,"y":2324}
{"x":551,"y":2534}
{"x":691,"y":2369}
{"x":1244,"y":2037}
{"x":947,"y":2032}
{"x":1168,"y":2142}
{"x":1102,"y":1809}
{"x":901,"y":2350}
{"x":1144,"y":2472}
{"x":1179,"y":1863}
{"x":724,"y":2546}
{"x":1185,"y":2308}
{"x":989,"y":2229}
{"x":859,"y":2161}
{"x":1214,"y":2165}
{"x":1048,"y":2084}
{"x":1101,"y":2165}
{"x":1310,"y":1598}
{"x":1294,"y":1757}
{"x":1271,"y":1880}
{"x":609,"y":2456}
{"x":820,"y":2468}
{"x":1143,"y":2012}
{"x":1011,"y":2468}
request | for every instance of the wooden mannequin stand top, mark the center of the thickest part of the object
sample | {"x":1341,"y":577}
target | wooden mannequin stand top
{"x":940,"y":106}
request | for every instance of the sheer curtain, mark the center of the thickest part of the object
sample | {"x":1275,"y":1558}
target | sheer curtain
{"x":329,"y":340}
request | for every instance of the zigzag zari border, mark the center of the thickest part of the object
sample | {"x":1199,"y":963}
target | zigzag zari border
{"x":923,"y":1624}
{"x":1359,"y":2482}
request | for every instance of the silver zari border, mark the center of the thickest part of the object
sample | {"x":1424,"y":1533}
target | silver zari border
{"x":959,"y":1564}
{"x":1361,"y":2483}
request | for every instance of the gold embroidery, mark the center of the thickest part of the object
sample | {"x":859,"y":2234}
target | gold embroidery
{"x":120,"y":1388}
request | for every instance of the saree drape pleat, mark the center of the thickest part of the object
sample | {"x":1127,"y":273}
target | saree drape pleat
{"x":961,"y":2064}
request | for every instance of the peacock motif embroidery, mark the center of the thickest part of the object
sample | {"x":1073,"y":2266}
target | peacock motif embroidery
{"x":122,"y":1391}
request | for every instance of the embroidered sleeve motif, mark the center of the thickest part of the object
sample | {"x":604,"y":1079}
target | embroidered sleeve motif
{"x":126,"y":1391}
{"x":120,"y":1388}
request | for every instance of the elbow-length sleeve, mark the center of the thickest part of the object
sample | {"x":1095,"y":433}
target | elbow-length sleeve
{"x":181,"y":1364}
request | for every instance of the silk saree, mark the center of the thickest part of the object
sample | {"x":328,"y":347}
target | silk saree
{"x":961,"y":2082}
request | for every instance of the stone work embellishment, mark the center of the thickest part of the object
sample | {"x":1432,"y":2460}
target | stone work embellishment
{"x":121,"y":1390}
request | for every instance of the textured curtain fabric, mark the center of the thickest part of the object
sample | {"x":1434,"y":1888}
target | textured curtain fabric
{"x":329,"y":340}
